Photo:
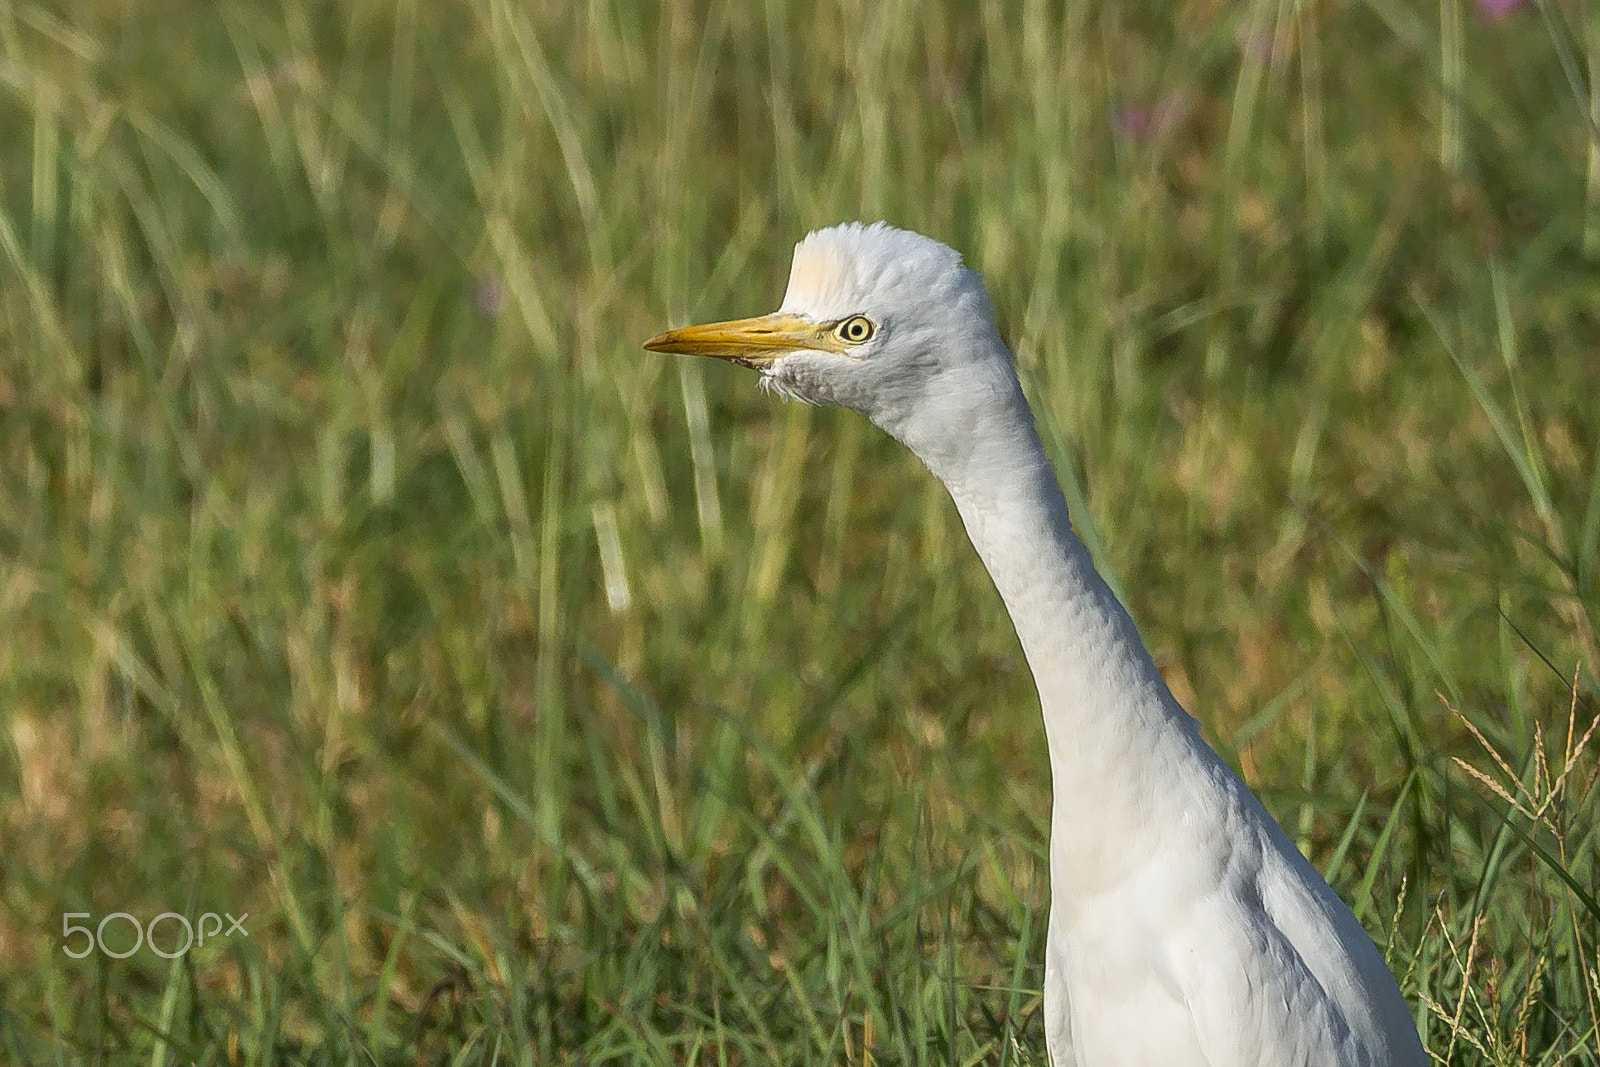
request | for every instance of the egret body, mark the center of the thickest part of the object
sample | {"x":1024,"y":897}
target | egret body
{"x":1185,"y":927}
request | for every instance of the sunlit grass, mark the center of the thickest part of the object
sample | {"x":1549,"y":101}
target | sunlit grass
{"x":545,"y":700}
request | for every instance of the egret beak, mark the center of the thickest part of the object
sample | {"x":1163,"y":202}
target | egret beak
{"x":749,"y":342}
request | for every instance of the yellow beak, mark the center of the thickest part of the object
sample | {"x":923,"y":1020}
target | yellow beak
{"x":750,"y":342}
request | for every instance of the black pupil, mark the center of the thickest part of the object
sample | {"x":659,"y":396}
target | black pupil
{"x":856,"y":330}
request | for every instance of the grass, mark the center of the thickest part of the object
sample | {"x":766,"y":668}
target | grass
{"x":541,"y":700}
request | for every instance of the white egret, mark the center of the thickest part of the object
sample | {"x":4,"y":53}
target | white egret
{"x":1185,"y":927}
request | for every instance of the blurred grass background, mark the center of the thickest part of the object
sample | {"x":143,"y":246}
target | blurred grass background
{"x":542,"y":700}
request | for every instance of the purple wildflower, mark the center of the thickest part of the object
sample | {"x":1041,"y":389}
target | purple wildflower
{"x":1139,"y":122}
{"x":1133,"y":122}
{"x":489,"y":297}
{"x":1495,"y":10}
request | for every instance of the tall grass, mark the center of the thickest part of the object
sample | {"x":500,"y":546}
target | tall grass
{"x":542,"y":700}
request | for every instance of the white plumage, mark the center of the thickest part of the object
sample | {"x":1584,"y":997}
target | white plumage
{"x":1185,"y":927}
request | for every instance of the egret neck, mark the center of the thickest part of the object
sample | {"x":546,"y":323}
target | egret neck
{"x":1103,"y":700}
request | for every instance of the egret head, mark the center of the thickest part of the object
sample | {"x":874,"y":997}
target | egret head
{"x":882,"y":321}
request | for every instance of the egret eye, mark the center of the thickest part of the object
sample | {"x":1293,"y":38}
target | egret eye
{"x":854,"y":330}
